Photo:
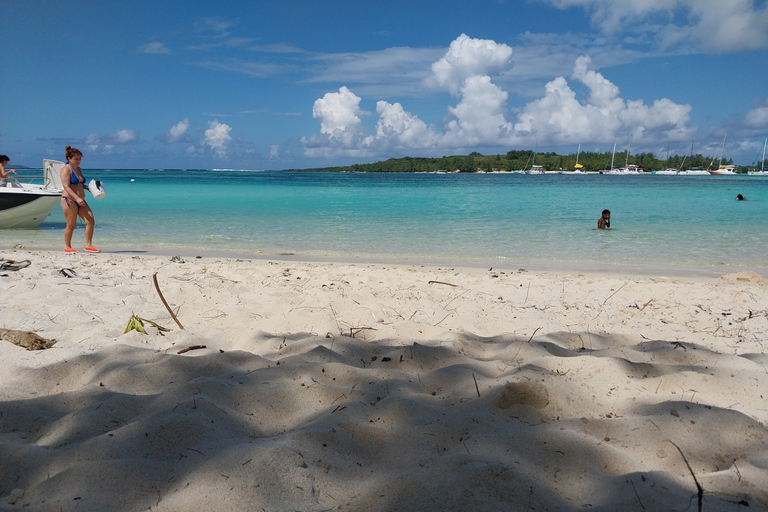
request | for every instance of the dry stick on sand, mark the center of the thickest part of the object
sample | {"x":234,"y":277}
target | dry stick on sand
{"x":614,"y":293}
{"x":476,"y":388}
{"x":157,"y":287}
{"x":699,"y":488}
{"x":193,"y":347}
{"x":441,"y":282}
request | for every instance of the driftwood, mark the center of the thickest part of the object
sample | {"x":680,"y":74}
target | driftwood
{"x":26,"y":339}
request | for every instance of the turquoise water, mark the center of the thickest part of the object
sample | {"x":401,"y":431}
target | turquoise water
{"x":475,"y":219}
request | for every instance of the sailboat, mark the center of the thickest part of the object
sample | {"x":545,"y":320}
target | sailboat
{"x":722,"y":169}
{"x":692,"y":172}
{"x":629,"y":168}
{"x":535,"y":169}
{"x":612,"y":170}
{"x":577,"y":168}
{"x":667,"y":170}
{"x":763,"y":168}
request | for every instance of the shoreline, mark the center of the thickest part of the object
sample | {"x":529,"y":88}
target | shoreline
{"x":427,"y":386}
{"x":564,"y":267}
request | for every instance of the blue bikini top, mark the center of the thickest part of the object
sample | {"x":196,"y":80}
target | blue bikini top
{"x":73,"y":179}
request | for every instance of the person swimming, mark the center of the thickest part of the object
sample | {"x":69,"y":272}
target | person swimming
{"x":604,"y":222}
{"x":740,"y":198}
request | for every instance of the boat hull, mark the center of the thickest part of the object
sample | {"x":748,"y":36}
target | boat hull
{"x":26,"y":207}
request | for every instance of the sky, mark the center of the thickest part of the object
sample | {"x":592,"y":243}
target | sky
{"x":294,"y":84}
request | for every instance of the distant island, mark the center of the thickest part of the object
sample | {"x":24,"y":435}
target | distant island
{"x":522,"y":160}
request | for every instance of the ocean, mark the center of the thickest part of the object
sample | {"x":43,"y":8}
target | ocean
{"x":679,"y":223}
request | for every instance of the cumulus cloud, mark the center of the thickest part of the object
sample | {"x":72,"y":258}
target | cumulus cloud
{"x":467,"y":57}
{"x":401,"y":129}
{"x":155,"y":48}
{"x":559,"y":116}
{"x":216,"y":137}
{"x":177,"y":132}
{"x":481,"y":116}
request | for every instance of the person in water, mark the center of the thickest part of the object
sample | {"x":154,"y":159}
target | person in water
{"x":604,"y":222}
{"x":740,"y":198}
{"x":73,"y":201}
{"x":4,"y":175}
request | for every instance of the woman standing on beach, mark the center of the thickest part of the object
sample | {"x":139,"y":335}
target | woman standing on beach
{"x":73,"y":201}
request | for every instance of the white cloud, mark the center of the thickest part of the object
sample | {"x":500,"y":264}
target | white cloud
{"x":339,"y":114}
{"x":482,"y":119}
{"x":216,"y":137}
{"x":401,"y":129}
{"x":467,"y":57}
{"x":245,"y":67}
{"x":178,"y":130}
{"x":559,"y":117}
{"x":155,"y":48}
{"x":106,"y":143}
{"x":717,"y":26}
{"x":757,"y":118}
{"x":123,"y":137}
{"x":274,"y":152}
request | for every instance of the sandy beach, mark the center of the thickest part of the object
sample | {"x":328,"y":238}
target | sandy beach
{"x":373,"y":387}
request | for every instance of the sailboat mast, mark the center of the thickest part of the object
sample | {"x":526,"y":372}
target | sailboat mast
{"x":613,"y":154}
{"x":578,"y":151}
{"x":682,"y":165}
{"x":762,"y":162}
{"x":722,"y":151}
{"x":626,"y":160}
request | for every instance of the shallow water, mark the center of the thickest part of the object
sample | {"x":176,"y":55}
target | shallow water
{"x":482,"y":219}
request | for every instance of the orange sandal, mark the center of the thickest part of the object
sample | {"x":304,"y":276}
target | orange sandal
{"x":70,"y":251}
{"x":92,"y":249}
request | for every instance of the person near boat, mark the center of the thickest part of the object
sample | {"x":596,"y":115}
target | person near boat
{"x":5,"y":174}
{"x":73,"y":201}
{"x":604,"y":222}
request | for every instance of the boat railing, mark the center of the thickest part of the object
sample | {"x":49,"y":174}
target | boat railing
{"x":22,"y":176}
{"x":48,"y":177}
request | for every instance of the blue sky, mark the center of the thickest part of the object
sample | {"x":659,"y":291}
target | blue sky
{"x":296,"y":84}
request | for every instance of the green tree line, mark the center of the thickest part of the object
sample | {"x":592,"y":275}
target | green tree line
{"x":524,"y":159}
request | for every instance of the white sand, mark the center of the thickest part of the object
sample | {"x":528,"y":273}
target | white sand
{"x":367,"y":388}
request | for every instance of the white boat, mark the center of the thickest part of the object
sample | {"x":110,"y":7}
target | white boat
{"x":694,"y":172}
{"x":27,"y":204}
{"x":667,"y":171}
{"x":629,"y":169}
{"x":722,"y":169}
{"x":535,"y":169}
